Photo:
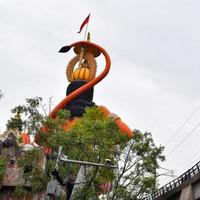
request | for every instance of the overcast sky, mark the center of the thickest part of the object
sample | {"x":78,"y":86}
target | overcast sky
{"x":154,"y":46}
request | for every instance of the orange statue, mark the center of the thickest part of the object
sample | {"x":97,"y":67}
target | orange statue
{"x":82,"y":81}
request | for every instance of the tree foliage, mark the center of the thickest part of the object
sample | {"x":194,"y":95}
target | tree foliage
{"x":95,"y":138}
{"x":137,"y":165}
{"x":27,"y":117}
{"x":34,"y":175}
{"x":3,"y":162}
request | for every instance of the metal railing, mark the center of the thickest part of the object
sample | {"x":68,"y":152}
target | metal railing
{"x":176,"y":182}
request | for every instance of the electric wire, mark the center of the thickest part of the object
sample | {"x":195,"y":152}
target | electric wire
{"x":191,"y":162}
{"x":168,"y":172}
{"x":166,"y":180}
{"x":178,"y":131}
{"x":165,"y":175}
{"x":183,"y":139}
{"x":173,"y":136}
{"x":191,"y":157}
{"x":183,"y":124}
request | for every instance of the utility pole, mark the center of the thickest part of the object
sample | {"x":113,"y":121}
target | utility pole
{"x":53,"y":187}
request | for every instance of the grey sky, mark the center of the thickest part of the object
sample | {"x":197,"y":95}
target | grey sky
{"x":154,"y":45}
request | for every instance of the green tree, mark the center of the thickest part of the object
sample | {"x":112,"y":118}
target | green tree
{"x":95,"y":138}
{"x":137,"y":164}
{"x":27,"y":117}
{"x":3,"y":162}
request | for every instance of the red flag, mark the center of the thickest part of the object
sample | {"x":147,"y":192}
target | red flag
{"x":84,"y":23}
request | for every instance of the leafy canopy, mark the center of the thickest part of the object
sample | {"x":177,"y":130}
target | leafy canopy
{"x":95,"y":138}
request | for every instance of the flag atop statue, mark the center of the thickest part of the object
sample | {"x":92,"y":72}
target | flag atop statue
{"x":84,"y":23}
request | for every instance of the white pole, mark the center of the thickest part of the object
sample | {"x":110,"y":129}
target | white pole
{"x":86,"y":30}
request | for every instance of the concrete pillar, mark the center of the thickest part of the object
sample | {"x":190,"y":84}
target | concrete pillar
{"x":187,"y":193}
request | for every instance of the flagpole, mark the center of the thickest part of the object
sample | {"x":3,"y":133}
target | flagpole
{"x":82,"y":49}
{"x":86,"y":30}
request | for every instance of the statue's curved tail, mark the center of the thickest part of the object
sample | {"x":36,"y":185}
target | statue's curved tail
{"x":88,"y":85}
